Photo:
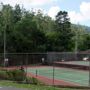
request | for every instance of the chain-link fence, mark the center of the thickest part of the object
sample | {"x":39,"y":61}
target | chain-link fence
{"x":62,"y":68}
{"x":18,"y":59}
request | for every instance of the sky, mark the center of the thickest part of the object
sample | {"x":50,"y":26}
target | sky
{"x":78,"y":10}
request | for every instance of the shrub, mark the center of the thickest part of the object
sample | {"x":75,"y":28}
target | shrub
{"x":10,"y":75}
{"x":3,"y":75}
{"x":32,"y":80}
{"x":17,"y":75}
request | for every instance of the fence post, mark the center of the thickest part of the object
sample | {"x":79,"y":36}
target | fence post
{"x":89,"y":72}
{"x":26,"y":62}
{"x":36,"y":72}
{"x":53,"y":72}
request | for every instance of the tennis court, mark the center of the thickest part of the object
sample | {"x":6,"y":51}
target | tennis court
{"x":84,"y":63}
{"x":78,"y":77}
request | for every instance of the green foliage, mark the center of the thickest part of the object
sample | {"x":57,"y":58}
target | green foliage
{"x":64,"y":31}
{"x":18,"y":76}
{"x":85,"y":45}
{"x":81,"y":37}
{"x":32,"y":80}
{"x":17,"y":13}
{"x":28,"y":31}
{"x":15,"y":75}
{"x":3,"y":75}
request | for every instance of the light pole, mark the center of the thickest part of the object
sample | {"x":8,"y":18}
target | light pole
{"x":76,"y":45}
{"x":5,"y":44}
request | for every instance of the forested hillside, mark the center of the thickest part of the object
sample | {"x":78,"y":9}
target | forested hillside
{"x":28,"y":31}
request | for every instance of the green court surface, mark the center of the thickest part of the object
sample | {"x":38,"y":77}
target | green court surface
{"x":70,"y":75}
{"x":86,"y":63}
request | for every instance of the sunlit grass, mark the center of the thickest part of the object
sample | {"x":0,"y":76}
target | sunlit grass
{"x":30,"y":86}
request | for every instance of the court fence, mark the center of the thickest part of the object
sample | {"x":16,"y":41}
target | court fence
{"x":15,"y":59}
{"x":59,"y":68}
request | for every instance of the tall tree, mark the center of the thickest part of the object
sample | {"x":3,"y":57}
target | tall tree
{"x":28,"y":37}
{"x":79,"y":37}
{"x":85,"y":45}
{"x":44,"y":22}
{"x":17,"y":13}
{"x":64,"y":31}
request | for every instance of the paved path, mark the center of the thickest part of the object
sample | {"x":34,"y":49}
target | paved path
{"x":11,"y":88}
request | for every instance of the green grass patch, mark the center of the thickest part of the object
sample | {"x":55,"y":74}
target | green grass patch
{"x":31,"y":87}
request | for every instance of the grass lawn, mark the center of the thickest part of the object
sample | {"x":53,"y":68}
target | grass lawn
{"x":32,"y":87}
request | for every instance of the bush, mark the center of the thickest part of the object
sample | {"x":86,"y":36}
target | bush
{"x":10,"y":75}
{"x":3,"y":75}
{"x":17,"y":75}
{"x":32,"y":80}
